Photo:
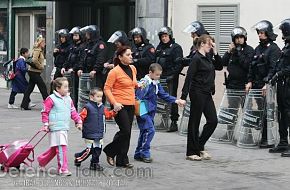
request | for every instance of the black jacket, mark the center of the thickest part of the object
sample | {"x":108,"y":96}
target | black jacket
{"x":61,"y":56}
{"x":74,"y":56}
{"x":143,"y":56}
{"x":263,"y":65}
{"x":238,"y":63}
{"x":93,"y":57}
{"x":201,"y":74}
{"x":169,"y":56}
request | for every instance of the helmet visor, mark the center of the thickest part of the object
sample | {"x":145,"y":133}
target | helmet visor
{"x":115,"y":37}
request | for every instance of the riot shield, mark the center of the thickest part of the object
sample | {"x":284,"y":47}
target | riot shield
{"x":86,"y":83}
{"x":272,"y":121}
{"x":185,"y":119}
{"x":71,"y":81}
{"x":248,"y":133}
{"x":229,"y":111}
{"x":162,"y":116}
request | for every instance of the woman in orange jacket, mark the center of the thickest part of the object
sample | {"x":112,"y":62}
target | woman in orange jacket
{"x":120,"y":91}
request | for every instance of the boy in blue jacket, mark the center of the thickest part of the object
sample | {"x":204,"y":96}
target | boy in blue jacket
{"x":151,"y":89}
{"x":92,"y":116}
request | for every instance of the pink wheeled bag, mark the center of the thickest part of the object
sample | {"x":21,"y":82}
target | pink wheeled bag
{"x":16,"y":153}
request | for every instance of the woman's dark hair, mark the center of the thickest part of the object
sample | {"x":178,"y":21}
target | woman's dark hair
{"x":120,"y":51}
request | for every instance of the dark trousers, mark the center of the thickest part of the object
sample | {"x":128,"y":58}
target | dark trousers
{"x":34,"y":79}
{"x":172,"y":90}
{"x":200,"y":104}
{"x":12,"y":97}
{"x":121,"y":142}
{"x":57,"y":74}
{"x":283,"y":100}
{"x":94,"y":151}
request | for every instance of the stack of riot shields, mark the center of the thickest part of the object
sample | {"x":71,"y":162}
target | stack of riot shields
{"x":86,"y":83}
{"x":185,"y":119}
{"x":258,"y":109}
{"x":162,"y":116}
{"x":228,"y":114}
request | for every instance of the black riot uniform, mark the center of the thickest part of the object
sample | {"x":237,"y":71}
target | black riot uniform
{"x":262,"y":67}
{"x":169,"y":56}
{"x":238,"y":61}
{"x":196,"y":29}
{"x":61,"y":55}
{"x":143,"y":53}
{"x":73,"y":59}
{"x":94,"y":54}
{"x":282,"y":77}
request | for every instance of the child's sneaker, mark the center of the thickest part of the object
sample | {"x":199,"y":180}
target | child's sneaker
{"x":96,"y":167}
{"x":77,"y":163}
{"x":147,"y":160}
{"x":12,"y":106}
{"x":64,"y":173}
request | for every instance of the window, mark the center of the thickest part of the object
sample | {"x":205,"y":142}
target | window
{"x":219,"y":22}
{"x":3,"y":36}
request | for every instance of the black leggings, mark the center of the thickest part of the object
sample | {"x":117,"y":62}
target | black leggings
{"x":34,"y":79}
{"x":200,"y":104}
{"x":121,"y":142}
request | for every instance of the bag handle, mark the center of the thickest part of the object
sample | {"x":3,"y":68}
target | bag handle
{"x":38,"y":140}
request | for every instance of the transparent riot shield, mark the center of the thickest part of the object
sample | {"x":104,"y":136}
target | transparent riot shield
{"x":71,"y":81}
{"x":183,"y":127}
{"x":162,"y":116}
{"x":272,"y":121}
{"x":229,"y":111}
{"x":86,"y":83}
{"x":248,"y":133}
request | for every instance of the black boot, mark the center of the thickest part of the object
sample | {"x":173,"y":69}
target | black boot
{"x":279,"y":149}
{"x":173,"y":127}
{"x":264,"y":144}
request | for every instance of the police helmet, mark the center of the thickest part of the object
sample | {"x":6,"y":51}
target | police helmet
{"x":284,"y":26}
{"x":267,"y":27}
{"x":165,"y":30}
{"x":119,"y":36}
{"x":196,"y":27}
{"x":139,"y":31}
{"x":92,"y":30}
{"x":238,"y":31}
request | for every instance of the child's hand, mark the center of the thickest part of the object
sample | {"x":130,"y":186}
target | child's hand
{"x":180,"y":102}
{"x":79,"y":126}
{"x":141,"y":85}
{"x":45,"y":128}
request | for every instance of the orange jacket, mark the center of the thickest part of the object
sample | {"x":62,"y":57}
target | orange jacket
{"x":119,"y":87}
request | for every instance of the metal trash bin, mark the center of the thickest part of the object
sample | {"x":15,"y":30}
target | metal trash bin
{"x":86,"y":83}
{"x":228,"y":115}
{"x":183,"y":127}
{"x":71,"y":81}
{"x":248,"y":133}
{"x":162,"y":116}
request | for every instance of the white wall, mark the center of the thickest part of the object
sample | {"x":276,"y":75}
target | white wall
{"x":183,"y":12}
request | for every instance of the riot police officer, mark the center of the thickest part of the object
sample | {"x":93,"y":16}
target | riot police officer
{"x":196,"y":29}
{"x":237,"y":59}
{"x":282,"y":77}
{"x":262,"y":67}
{"x":61,"y":51}
{"x":119,"y":38}
{"x":94,"y":54}
{"x":143,"y":52}
{"x":169,"y":55}
{"x":72,"y":63}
